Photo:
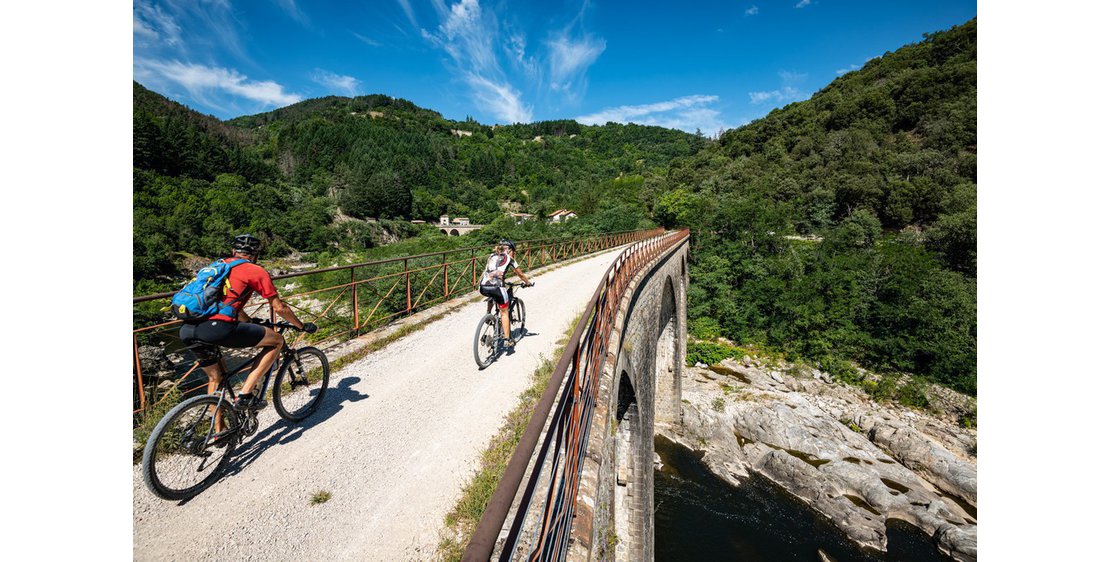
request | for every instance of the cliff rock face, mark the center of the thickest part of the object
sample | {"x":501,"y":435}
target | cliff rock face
{"x":857,"y":462}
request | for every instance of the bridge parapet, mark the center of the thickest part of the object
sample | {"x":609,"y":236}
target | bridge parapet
{"x":591,"y":478}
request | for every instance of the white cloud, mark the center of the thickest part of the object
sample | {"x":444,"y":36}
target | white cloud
{"x":803,"y":4}
{"x":751,"y":11}
{"x":571,"y":58}
{"x":688,"y":113}
{"x":366,"y":40}
{"x":850,"y":68}
{"x":335,"y":82}
{"x":202,"y":82}
{"x":501,"y":99}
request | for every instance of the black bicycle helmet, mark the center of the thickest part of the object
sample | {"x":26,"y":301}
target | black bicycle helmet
{"x":246,"y":244}
{"x":509,"y":244}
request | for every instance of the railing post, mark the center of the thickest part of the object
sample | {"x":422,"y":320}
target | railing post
{"x":354,"y":301}
{"x":445,"y":289}
{"x":139,"y":372}
{"x":408,"y":288}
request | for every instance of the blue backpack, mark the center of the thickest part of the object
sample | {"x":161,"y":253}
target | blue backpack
{"x":203,"y":296}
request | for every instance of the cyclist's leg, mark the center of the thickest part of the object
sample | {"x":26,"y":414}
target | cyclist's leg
{"x":253,"y":335}
{"x":503,"y":305}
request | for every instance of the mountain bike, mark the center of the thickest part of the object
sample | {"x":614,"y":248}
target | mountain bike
{"x":192,"y":444}
{"x":489,"y":338}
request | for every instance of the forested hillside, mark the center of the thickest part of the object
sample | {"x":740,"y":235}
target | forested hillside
{"x":880,"y":167}
{"x":297,"y":175}
{"x":838,"y":229}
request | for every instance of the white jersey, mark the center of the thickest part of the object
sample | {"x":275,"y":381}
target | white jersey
{"x":496,"y":267}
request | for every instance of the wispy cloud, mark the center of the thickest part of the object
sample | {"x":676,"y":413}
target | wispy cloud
{"x":503,"y":100}
{"x":850,"y":68}
{"x":751,"y":11}
{"x":407,"y":8}
{"x":788,"y":92}
{"x":207,"y":84}
{"x":792,"y":78}
{"x":803,"y":3}
{"x":468,"y":35}
{"x":784,"y":94}
{"x":570,"y":58}
{"x":516,"y":49}
{"x":496,"y":61}
{"x":152,"y":25}
{"x":187,"y":28}
{"x":366,"y":39}
{"x":294,"y":12}
{"x":688,"y":113}
{"x":336,"y":82}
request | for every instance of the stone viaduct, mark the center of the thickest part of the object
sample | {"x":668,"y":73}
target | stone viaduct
{"x":640,"y":389}
{"x":590,"y":495}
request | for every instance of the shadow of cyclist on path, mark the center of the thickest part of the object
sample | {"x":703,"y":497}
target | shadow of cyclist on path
{"x":283,"y":432}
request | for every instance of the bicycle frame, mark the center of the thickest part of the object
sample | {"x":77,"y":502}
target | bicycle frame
{"x":225,"y":382}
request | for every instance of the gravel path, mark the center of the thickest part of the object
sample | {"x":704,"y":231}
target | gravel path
{"x":398,"y":435}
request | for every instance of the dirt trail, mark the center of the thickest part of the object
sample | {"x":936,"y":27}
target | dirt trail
{"x":398,"y":435}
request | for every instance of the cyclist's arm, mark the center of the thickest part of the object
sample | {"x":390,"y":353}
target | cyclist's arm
{"x":281,"y":309}
{"x":520,"y":274}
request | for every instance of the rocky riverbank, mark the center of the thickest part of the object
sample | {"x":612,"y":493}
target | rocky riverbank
{"x":856,"y":461}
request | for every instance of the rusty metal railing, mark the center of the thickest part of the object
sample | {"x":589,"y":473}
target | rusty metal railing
{"x":344,"y":301}
{"x":558,"y":465}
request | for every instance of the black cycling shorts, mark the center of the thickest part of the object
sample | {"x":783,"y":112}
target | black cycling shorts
{"x":498,"y":294}
{"x":210,"y":333}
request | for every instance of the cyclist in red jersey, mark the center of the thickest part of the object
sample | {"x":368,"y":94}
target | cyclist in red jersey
{"x":244,"y":280}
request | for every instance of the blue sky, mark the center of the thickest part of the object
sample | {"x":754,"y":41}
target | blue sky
{"x":688,"y":65}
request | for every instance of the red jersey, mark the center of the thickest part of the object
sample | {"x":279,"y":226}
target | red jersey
{"x":245,"y":279}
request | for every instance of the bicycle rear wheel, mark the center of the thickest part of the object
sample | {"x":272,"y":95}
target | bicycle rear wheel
{"x":301,"y":383}
{"x":516,"y":319}
{"x":185,"y":453}
{"x":485,"y":340}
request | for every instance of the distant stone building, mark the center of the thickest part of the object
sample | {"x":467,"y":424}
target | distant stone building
{"x":457,"y":226}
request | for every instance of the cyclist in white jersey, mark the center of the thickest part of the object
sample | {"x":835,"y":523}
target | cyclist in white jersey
{"x":500,"y":264}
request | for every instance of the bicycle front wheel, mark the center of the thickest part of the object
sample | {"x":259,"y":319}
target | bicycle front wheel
{"x":516,"y":318}
{"x":485,"y":340}
{"x":189,"y":448}
{"x":301,"y":383}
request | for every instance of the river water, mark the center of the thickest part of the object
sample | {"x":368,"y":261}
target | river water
{"x":698,"y":516}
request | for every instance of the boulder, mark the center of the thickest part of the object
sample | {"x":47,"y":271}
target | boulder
{"x":858,"y":477}
{"x":154,"y":362}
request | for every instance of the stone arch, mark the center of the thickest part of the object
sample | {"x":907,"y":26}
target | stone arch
{"x":668,"y":360}
{"x":443,"y":230}
{"x":454,"y":232}
{"x":628,"y":494}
